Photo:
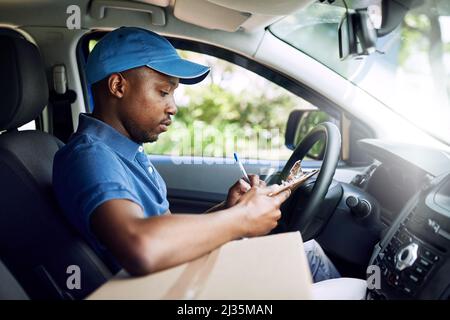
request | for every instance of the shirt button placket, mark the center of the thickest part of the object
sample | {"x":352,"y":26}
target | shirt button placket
{"x":145,"y":160}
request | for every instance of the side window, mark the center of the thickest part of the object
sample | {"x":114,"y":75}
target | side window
{"x":232,"y":110}
{"x":28,"y":126}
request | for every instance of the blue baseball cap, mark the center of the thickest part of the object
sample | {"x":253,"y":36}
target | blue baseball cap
{"x":130,"y":47}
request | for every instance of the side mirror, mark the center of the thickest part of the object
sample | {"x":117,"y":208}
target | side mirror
{"x":292,"y":128}
{"x":299,"y":123}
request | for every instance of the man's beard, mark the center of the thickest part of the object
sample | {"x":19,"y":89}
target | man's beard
{"x":137,"y":135}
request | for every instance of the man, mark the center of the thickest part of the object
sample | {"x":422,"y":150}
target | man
{"x":113,"y":194}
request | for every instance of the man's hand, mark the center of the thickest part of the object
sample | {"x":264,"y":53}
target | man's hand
{"x":261,"y":211}
{"x":241,"y":187}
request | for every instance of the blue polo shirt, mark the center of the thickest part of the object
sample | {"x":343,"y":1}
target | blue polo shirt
{"x":100,"y":164}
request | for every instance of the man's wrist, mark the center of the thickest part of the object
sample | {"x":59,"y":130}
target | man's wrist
{"x":235,"y":216}
{"x":217,"y":207}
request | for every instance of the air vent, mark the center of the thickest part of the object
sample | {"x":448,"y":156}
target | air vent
{"x":416,"y":219}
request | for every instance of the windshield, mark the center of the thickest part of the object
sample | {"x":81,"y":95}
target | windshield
{"x":409,"y":73}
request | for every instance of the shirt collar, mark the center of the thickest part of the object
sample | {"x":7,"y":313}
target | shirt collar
{"x":127,"y":148}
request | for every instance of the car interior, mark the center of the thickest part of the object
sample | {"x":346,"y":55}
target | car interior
{"x":381,"y":198}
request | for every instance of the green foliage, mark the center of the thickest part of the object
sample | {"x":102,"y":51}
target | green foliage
{"x":414,"y":36}
{"x":219,"y":107}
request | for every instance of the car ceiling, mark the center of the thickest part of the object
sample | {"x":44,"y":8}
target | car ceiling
{"x":225,"y":15}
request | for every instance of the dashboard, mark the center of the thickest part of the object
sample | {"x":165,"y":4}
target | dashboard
{"x":411,"y":187}
{"x":394,"y":217}
{"x":392,"y":187}
{"x":399,"y":171}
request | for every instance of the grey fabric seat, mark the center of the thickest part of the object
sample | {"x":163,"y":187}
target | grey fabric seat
{"x":37,"y":244}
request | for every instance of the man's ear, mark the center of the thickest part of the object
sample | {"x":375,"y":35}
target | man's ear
{"x":117,"y":85}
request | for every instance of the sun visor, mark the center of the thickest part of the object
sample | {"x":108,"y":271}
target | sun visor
{"x":230,"y":15}
{"x":159,"y":3}
{"x":264,"y":7}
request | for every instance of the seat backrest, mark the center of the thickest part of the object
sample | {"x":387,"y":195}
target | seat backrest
{"x":37,"y":244}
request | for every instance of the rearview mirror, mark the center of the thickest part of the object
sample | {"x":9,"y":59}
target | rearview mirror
{"x":357,"y":35}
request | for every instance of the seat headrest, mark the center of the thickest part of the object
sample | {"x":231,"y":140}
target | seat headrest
{"x":23,"y":84}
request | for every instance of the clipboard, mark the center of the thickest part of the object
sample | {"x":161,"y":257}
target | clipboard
{"x":295,"y":182}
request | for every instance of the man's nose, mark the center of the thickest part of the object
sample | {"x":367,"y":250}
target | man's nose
{"x":172,"y":108}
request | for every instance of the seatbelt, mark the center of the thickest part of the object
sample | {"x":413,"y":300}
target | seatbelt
{"x":59,"y":107}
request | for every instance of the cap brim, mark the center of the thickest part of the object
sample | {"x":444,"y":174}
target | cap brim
{"x":188,"y":72}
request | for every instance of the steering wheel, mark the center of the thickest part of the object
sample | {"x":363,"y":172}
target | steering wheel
{"x":300,"y":217}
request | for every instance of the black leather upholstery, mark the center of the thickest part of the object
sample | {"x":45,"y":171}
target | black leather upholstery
{"x":36,"y":243}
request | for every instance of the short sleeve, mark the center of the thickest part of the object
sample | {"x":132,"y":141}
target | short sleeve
{"x":87,"y":176}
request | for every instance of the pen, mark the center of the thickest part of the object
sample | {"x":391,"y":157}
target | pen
{"x":244,"y":173}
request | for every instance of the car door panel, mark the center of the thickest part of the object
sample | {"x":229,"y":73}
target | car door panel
{"x":195,"y":184}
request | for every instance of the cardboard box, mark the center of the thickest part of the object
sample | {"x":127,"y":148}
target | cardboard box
{"x":270,"y":267}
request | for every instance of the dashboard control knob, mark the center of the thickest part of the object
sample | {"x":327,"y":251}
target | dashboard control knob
{"x":352,"y":202}
{"x":359,"y":208}
{"x":406,"y":256}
